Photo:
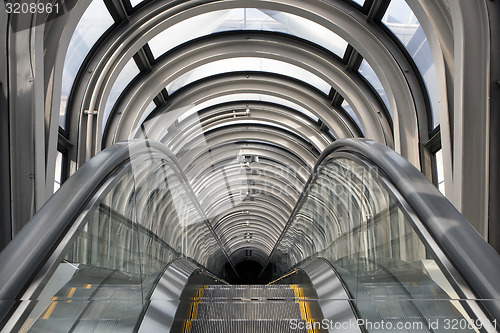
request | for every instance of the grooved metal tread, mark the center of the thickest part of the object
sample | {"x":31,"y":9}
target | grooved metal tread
{"x":250,"y":308}
{"x":237,"y":291}
{"x":246,"y":326}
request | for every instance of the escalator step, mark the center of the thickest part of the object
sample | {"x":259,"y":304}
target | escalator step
{"x":248,"y":292}
{"x":244,"y":326}
{"x":248,"y":310}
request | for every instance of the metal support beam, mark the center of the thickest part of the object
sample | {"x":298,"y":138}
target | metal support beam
{"x":143,"y":58}
{"x":117,"y":10}
{"x":353,"y":59}
{"x":5,"y":176}
{"x":494,"y":139}
{"x":378,"y":9}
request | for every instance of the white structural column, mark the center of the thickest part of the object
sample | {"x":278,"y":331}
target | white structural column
{"x":435,"y":19}
{"x":26,"y":118}
{"x":471,"y":111}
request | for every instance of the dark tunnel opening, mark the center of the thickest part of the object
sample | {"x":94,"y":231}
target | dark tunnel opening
{"x":249,"y":272}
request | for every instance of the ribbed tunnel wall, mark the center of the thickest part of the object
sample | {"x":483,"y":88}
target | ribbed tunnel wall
{"x":247,"y":102}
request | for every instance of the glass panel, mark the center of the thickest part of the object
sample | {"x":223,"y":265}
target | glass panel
{"x":359,"y":2}
{"x":403,"y":23}
{"x":58,"y":171}
{"x":347,"y":107}
{"x":369,"y":74}
{"x":107,"y":269}
{"x":94,"y":22}
{"x":246,"y":19}
{"x":127,"y":74}
{"x":350,"y":219}
{"x":440,"y":171}
{"x":249,"y":64}
{"x":309,"y":30}
{"x":135,"y":2}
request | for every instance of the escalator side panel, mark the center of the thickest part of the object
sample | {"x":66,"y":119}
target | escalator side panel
{"x":166,"y":296}
{"x":332,"y":296}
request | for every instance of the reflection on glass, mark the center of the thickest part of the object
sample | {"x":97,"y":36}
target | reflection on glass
{"x":359,"y":2}
{"x":58,"y":171}
{"x":246,"y":19}
{"x":347,"y":107}
{"x":106,"y":271}
{"x":350,"y":219}
{"x":127,"y":74}
{"x":369,"y":74}
{"x":94,"y":22}
{"x":249,"y":64}
{"x":146,"y":112}
{"x":403,"y":23}
{"x":440,"y":171}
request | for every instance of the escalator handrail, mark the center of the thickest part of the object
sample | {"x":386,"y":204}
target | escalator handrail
{"x":34,"y":242}
{"x":475,"y":260}
{"x":31,"y":247}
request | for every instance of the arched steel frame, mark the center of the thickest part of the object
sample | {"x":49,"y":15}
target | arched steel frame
{"x":275,"y":156}
{"x":226,"y":85}
{"x":451,"y":30}
{"x":128,"y":111}
{"x":241,"y":112}
{"x":384,"y":56}
{"x":265,"y":45}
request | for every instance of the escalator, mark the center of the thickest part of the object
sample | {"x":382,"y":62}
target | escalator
{"x":249,"y":308}
{"x":371,"y":246}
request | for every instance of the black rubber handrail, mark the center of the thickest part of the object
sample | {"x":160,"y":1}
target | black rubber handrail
{"x":475,"y":260}
{"x":21,"y":259}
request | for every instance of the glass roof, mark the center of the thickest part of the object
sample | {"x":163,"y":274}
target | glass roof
{"x":94,"y":22}
{"x":246,"y":19}
{"x":247,"y":97}
{"x":190,"y":110}
{"x":126,"y":75}
{"x":403,"y":23}
{"x":399,"y":19}
{"x":367,"y":72}
{"x":249,"y":64}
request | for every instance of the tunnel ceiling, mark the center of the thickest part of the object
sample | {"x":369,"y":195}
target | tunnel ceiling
{"x":247,"y":94}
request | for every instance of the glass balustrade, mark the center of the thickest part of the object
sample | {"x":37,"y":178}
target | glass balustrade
{"x":142,"y":219}
{"x":352,"y":217}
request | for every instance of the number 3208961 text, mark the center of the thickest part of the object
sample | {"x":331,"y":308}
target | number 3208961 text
{"x":31,"y":8}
